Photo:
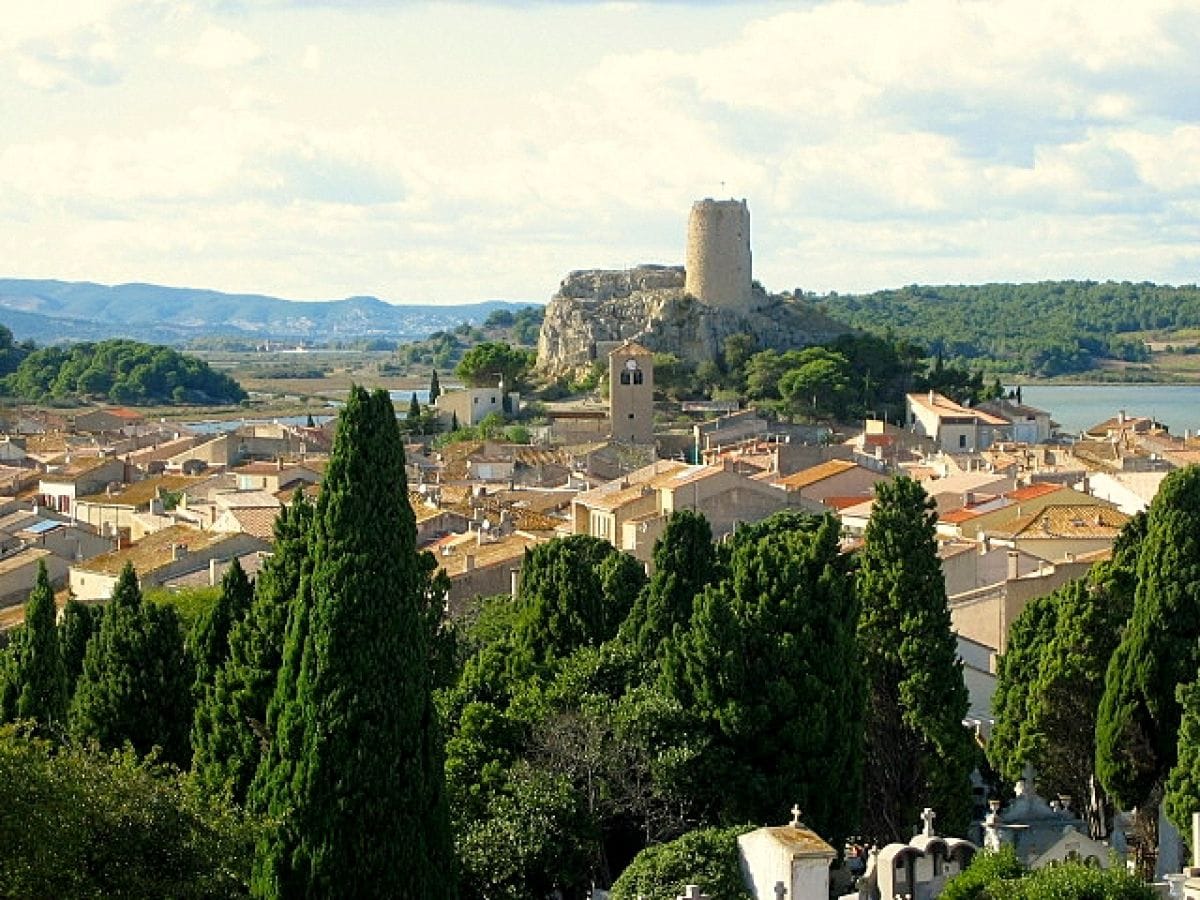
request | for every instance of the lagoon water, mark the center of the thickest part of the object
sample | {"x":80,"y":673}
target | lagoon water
{"x":1078,"y":406}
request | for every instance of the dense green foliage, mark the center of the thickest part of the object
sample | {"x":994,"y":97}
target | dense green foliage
{"x":562,"y":599}
{"x":36,"y":679}
{"x":1000,"y":876}
{"x":917,"y":751}
{"x":209,"y":638}
{"x":492,"y":362}
{"x":708,"y":858}
{"x":1138,"y":722}
{"x":857,"y":374}
{"x":1017,"y":668}
{"x":231,"y":720}
{"x":1045,"y":328}
{"x":769,"y":670}
{"x":120,"y":371}
{"x":443,"y":349}
{"x":79,"y":622}
{"x":77,"y":823}
{"x":355,"y":782}
{"x":1051,"y":677}
{"x":136,"y":681}
{"x":684,"y":561}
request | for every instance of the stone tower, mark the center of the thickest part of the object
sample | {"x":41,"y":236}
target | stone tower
{"x":717,"y":263}
{"x":631,"y":393}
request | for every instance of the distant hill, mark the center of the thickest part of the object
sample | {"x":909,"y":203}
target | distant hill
{"x":49,"y":311}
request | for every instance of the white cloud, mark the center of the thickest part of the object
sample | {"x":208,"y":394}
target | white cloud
{"x":418,"y":152}
{"x":222,"y":48}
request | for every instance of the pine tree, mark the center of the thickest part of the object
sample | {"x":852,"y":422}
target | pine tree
{"x":355,"y":783}
{"x":136,"y":680}
{"x":231,"y":721}
{"x":435,"y":388}
{"x":209,"y":640}
{"x":40,"y":672}
{"x":770,"y":668}
{"x":1137,"y":728}
{"x":79,"y":622}
{"x":454,"y":426}
{"x":917,"y":751}
{"x":684,"y":562}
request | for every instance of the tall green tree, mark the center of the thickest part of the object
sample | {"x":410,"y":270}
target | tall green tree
{"x":770,"y":668}
{"x":684,"y":562}
{"x":562,"y":603}
{"x":358,"y":787}
{"x":230,"y":722}
{"x":209,"y":639}
{"x":40,"y":675}
{"x":79,"y":622}
{"x":1016,"y":671}
{"x":435,"y":388}
{"x":136,"y":681}
{"x":1137,"y":729}
{"x":917,"y":751}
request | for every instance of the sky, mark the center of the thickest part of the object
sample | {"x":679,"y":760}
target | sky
{"x":440,"y":152}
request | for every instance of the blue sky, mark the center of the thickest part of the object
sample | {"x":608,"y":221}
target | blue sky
{"x":448,"y":152}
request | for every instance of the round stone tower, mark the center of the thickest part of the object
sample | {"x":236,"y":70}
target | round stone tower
{"x":718,"y":253}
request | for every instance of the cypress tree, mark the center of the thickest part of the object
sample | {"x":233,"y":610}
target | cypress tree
{"x":435,"y":389}
{"x":136,"y":681}
{"x":917,"y":751}
{"x":562,"y":605}
{"x":1137,"y":728}
{"x":40,"y":672}
{"x":1016,"y":670}
{"x":684,"y":562}
{"x":1182,"y":795}
{"x":355,"y":784}
{"x":79,"y":622}
{"x":231,"y":720}
{"x":770,"y":668}
{"x":414,"y":410}
{"x":209,"y":640}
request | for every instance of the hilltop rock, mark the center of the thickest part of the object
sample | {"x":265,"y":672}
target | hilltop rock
{"x":596,"y":309}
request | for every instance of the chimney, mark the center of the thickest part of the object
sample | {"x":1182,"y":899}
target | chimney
{"x":469,"y":562}
{"x":178,"y":551}
{"x":1120,"y":417}
{"x":1014,"y":559}
{"x":931,"y":398}
{"x":214,"y":572}
{"x":514,"y":582}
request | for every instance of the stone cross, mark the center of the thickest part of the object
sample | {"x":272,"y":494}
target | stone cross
{"x":692,"y":892}
{"x":927,"y":816}
{"x":780,"y":890}
{"x":795,"y":823}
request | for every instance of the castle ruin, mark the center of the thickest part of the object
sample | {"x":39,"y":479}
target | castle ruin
{"x":717,"y":263}
{"x":687,"y":311}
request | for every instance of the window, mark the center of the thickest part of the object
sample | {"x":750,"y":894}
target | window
{"x":637,"y":377}
{"x":624,"y":378}
{"x":631,"y":415}
{"x":962,"y":440}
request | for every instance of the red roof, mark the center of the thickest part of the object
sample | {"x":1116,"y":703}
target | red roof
{"x":1032,"y":491}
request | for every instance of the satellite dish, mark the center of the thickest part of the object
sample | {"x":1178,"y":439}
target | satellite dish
{"x":486,"y":525}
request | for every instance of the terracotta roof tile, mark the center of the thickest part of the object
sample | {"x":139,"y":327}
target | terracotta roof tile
{"x":820,"y":472}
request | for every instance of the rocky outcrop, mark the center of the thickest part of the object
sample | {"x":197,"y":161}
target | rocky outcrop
{"x":594,"y":310}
